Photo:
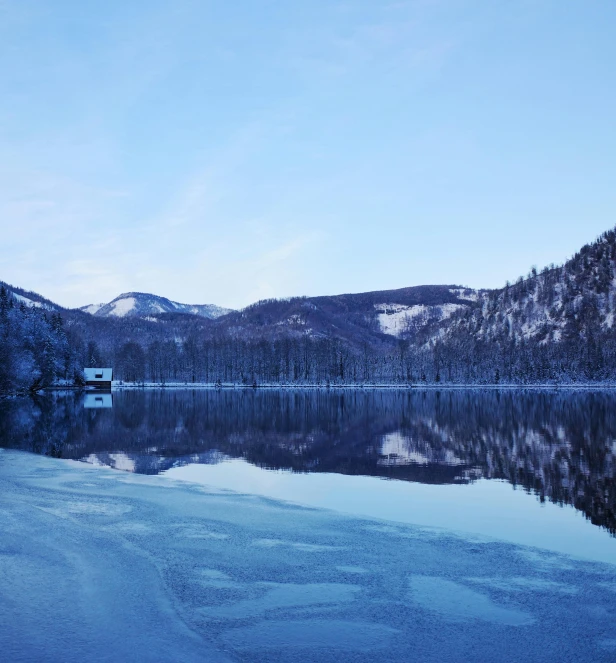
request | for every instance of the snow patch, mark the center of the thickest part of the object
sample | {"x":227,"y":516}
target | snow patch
{"x":395,"y":319}
{"x":122,"y":307}
{"x":28,"y":302}
{"x":92,"y":308}
{"x":455,"y":602}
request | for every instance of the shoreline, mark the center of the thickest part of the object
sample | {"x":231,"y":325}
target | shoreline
{"x":355,"y":387}
{"x":207,"y":386}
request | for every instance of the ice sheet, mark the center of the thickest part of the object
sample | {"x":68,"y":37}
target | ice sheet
{"x":98,"y":565}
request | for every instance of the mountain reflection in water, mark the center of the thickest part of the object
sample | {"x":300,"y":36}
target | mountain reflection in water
{"x":559,"y":445}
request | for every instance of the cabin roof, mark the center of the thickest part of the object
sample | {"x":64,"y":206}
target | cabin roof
{"x":98,"y":374}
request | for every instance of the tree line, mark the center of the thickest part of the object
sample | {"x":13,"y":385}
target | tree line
{"x":330,"y":362}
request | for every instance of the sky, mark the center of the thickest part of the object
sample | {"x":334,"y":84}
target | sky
{"x":225,"y":152}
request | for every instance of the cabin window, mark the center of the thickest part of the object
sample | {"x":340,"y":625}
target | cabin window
{"x":98,"y":376}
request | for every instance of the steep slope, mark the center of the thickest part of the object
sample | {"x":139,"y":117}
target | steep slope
{"x":575,"y":301}
{"x":30,"y":299}
{"x":140,"y":304}
{"x":556,"y":326}
{"x":34,"y":350}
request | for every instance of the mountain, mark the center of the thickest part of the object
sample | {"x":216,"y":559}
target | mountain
{"x":553,"y":327}
{"x":357,"y":318}
{"x":140,"y":304}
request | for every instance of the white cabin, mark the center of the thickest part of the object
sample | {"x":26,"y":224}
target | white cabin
{"x":98,"y":377}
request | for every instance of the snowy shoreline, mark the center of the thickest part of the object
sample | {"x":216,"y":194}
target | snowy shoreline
{"x":357,"y":387}
{"x":130,"y":386}
{"x":98,"y":564}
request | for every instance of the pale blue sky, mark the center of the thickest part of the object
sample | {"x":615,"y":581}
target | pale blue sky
{"x":223,"y":152}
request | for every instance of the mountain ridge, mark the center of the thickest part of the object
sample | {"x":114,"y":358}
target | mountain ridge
{"x":143,"y":304}
{"x":391,"y":312}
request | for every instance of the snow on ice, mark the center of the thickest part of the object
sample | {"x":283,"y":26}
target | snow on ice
{"x":98,"y":565}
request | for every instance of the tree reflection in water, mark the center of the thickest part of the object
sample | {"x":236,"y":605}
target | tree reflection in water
{"x":561,"y":445}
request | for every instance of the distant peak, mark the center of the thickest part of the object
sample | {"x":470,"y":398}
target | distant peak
{"x":144,"y":304}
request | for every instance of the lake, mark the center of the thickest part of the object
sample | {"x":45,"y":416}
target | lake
{"x":494,"y":509}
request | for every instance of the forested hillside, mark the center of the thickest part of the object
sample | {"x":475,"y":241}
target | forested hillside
{"x":34,"y":349}
{"x":556,"y":326}
{"x":553,"y":326}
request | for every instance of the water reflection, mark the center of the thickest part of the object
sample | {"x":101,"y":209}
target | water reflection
{"x":98,"y":400}
{"x":559,"y":445}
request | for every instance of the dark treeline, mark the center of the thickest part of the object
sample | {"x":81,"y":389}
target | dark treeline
{"x":463,"y":359}
{"x":557,"y":445}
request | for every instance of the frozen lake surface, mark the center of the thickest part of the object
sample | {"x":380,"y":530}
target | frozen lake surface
{"x":397,"y":537}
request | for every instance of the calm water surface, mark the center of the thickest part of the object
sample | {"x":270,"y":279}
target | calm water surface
{"x":535,"y":468}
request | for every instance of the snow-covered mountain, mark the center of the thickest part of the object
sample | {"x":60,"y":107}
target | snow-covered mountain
{"x":141,"y":304}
